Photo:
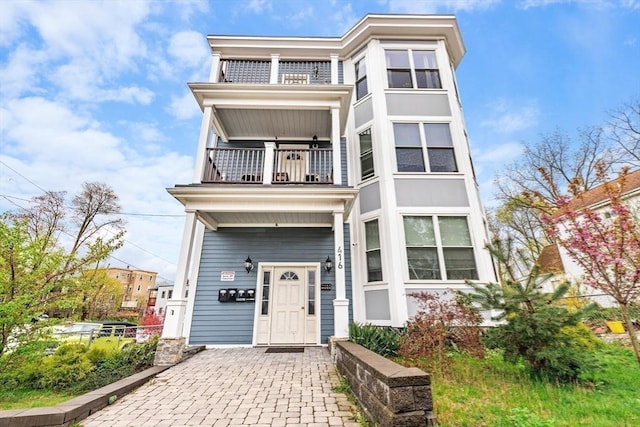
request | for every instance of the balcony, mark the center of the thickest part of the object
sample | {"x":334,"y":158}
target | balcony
{"x":268,"y":165}
{"x":281,"y":72}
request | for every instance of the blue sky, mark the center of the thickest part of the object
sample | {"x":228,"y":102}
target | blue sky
{"x":96,"y":91}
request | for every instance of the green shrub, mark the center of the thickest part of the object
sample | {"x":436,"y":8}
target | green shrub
{"x":383,"y":340}
{"x":68,"y":365}
{"x":522,"y":417}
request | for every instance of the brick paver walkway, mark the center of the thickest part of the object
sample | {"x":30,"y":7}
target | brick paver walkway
{"x":236,"y":386}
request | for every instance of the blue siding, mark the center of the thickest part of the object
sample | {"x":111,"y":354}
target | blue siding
{"x":226,"y":250}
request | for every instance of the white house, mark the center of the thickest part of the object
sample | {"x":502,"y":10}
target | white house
{"x":556,"y":260}
{"x":333,"y":177}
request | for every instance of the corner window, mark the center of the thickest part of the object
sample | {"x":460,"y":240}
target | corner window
{"x":429,"y":149}
{"x":374,"y":261}
{"x":439,"y":248}
{"x":361,"y":79}
{"x":412,"y":69}
{"x":366,"y":155}
{"x":169,"y":294}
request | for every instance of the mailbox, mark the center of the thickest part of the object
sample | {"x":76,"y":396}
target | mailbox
{"x":251,"y":294}
{"x":233,"y":294}
{"x":242,"y":294}
{"x":223,"y":295}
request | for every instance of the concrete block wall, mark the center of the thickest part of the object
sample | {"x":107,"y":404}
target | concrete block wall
{"x":390,"y":395}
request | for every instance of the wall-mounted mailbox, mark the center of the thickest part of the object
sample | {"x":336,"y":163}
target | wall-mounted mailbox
{"x":236,"y":295}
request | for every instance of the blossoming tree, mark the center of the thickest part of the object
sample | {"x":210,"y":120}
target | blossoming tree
{"x":605,"y":243}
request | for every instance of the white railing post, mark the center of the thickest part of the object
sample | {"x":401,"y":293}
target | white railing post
{"x":269,"y":156}
{"x":275,"y":61}
{"x":334,"y":68}
{"x":335,"y":146}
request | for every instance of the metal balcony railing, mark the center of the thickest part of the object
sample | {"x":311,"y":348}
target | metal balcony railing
{"x":250,"y":166}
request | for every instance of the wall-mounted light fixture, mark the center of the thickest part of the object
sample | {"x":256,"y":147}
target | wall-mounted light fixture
{"x":248,"y":264}
{"x":328,"y":265}
{"x":315,"y":138}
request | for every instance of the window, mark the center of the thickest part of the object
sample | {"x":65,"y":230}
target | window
{"x":311,"y":303}
{"x":164,"y":293}
{"x":266,"y":280}
{"x":374,"y":261}
{"x":439,"y":248}
{"x":366,"y":154}
{"x":412,"y":69}
{"x":411,"y":146}
{"x":139,"y":288}
{"x":169,"y":294}
{"x":361,"y":79}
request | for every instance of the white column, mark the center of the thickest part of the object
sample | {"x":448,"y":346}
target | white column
{"x":193,"y":278}
{"x":203,"y":141}
{"x":341,"y":303}
{"x":334,"y":68}
{"x":275,"y":60}
{"x":176,"y":306}
{"x":214,"y":74}
{"x":335,"y":145}
{"x":269,"y":153}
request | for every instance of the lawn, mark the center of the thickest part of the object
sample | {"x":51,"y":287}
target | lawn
{"x":22,"y":399}
{"x":491,"y":392}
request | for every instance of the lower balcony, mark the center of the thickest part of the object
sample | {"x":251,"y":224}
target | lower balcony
{"x":269,"y":165}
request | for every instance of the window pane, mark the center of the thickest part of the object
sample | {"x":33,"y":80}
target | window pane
{"x":424,"y":59}
{"x":361,"y":69}
{"x":454,"y":231}
{"x":418,"y":231}
{"x":312,"y":308}
{"x":374,"y":266}
{"x":372,"y":235}
{"x":442,"y":160}
{"x":397,"y":58}
{"x":438,"y":135}
{"x":460,"y":264}
{"x":406,"y":135}
{"x":366,"y":164}
{"x":399,"y":78}
{"x":428,"y":79}
{"x":410,"y":160}
{"x":423,"y":264}
{"x":361,"y":88}
{"x":365,"y":141}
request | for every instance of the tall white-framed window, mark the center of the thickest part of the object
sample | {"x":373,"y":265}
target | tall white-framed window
{"x":424,"y":147}
{"x":366,"y":154}
{"x":439,"y":248}
{"x":372,"y":249}
{"x":412,"y":69}
{"x":362,"y":88}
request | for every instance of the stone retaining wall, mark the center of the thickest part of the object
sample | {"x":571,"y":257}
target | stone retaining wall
{"x":390,"y":394}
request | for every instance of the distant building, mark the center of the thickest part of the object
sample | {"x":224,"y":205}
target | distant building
{"x":136,"y":285}
{"x":556,"y":260}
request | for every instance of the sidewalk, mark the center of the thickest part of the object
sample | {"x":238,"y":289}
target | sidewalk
{"x":236,"y":386}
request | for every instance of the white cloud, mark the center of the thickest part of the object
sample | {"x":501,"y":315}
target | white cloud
{"x":507,"y":118}
{"x":184,"y":107}
{"x":498,"y":154}
{"x":258,"y":6}
{"x":188,"y":49}
{"x":22,"y":71}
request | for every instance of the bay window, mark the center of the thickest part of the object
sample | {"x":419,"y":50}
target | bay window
{"x":366,"y":154}
{"x":426,"y":148}
{"x":412,"y":69}
{"x":361,"y":79}
{"x":439,"y":248}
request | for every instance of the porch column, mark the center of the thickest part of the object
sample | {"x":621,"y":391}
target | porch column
{"x":335,"y":145}
{"x":267,"y":169}
{"x":214,"y":74}
{"x":203,"y":142}
{"x":275,"y":61}
{"x":334,"y":68}
{"x":341,"y":303}
{"x":176,"y":306}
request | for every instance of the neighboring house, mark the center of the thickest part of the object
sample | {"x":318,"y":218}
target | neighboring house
{"x":136,"y":285}
{"x":556,"y":260}
{"x":165,"y":293}
{"x":332,"y":179}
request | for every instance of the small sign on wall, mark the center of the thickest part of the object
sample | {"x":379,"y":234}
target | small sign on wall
{"x":325,"y":287}
{"x":227,"y":276}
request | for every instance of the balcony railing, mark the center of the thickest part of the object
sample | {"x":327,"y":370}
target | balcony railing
{"x":268,"y":166}
{"x":288,"y":72}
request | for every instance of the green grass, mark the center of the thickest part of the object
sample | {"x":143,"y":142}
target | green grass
{"x":491,"y":392}
{"x":23,"y":399}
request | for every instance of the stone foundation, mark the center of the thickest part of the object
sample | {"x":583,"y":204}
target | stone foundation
{"x":169,"y":351}
{"x":390,"y":395}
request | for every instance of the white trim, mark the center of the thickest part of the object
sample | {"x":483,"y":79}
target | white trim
{"x":193,"y":283}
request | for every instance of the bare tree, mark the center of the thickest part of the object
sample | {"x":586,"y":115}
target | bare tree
{"x":625,"y":132}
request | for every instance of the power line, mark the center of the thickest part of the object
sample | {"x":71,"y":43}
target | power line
{"x":27,"y":179}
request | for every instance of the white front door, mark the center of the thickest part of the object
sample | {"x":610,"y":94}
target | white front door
{"x":288,"y":306}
